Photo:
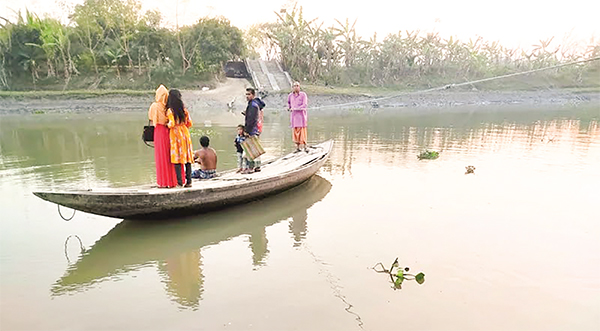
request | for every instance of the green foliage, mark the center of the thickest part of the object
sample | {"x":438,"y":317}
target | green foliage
{"x":428,"y":155}
{"x":194,"y":131}
{"x":399,"y":278}
{"x":407,"y":59}
{"x":420,"y":278}
{"x":72,"y":94}
{"x":208,"y":44}
{"x":115,"y":44}
{"x":399,"y":274}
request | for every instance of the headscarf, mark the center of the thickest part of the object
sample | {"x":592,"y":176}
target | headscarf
{"x":158,"y":110}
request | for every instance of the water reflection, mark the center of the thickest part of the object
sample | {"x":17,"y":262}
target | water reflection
{"x":183,"y":277}
{"x":176,"y":245}
{"x":74,"y":149}
{"x":298,"y":226}
{"x":396,"y":140}
{"x":528,"y":208}
{"x":99,"y":150}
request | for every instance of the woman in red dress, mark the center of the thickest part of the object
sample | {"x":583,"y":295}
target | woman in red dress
{"x":165,"y":172}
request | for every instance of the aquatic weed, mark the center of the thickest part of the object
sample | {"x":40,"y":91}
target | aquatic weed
{"x":428,"y":155}
{"x":203,"y":132}
{"x":398,"y":275}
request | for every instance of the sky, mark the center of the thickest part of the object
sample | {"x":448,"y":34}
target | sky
{"x":514,"y":23}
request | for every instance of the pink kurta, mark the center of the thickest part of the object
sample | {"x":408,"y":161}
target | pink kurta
{"x":297,"y":103}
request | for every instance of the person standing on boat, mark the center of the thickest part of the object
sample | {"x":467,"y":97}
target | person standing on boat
{"x":181,"y":143}
{"x":206,"y":157}
{"x":297,"y":103}
{"x":251,"y":126}
{"x":239,"y":139}
{"x":157,"y":114}
{"x":259,"y":126}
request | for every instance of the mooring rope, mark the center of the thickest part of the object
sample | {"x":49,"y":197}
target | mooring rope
{"x":448,"y":86}
{"x":61,"y":215}
{"x":80,"y":246}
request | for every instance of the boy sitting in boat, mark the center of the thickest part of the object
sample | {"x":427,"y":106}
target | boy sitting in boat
{"x":206,"y":157}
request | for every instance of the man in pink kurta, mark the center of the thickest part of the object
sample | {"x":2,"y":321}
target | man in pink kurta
{"x":297,"y":102}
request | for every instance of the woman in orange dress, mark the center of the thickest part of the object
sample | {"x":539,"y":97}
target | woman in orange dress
{"x":181,"y":143}
{"x":157,"y":114}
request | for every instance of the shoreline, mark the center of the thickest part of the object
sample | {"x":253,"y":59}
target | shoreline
{"x":139,"y":101}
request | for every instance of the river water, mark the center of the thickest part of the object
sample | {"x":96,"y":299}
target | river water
{"x":514,"y":246}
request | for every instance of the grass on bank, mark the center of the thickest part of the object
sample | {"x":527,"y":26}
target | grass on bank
{"x":309,"y":89}
{"x":135,"y":86}
{"x":587,"y":82}
{"x":73,"y":94}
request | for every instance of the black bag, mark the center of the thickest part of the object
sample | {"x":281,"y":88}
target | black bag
{"x":148,"y":134}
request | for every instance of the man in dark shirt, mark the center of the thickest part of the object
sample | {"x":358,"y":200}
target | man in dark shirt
{"x":251,"y":125}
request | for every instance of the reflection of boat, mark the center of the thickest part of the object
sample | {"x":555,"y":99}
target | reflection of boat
{"x":133,"y":245}
{"x":227,"y":189}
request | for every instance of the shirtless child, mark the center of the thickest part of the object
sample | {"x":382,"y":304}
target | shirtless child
{"x":206,"y":157}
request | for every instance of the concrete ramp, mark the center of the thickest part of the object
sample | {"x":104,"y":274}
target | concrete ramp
{"x":268,"y":76}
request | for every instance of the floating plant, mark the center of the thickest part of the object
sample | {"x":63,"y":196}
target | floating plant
{"x":428,"y":155}
{"x":399,"y":274}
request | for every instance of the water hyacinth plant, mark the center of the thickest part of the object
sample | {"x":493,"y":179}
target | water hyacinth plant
{"x":399,"y":274}
{"x":194,"y":131}
{"x":428,"y":155}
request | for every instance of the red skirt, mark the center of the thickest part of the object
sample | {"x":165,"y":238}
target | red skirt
{"x":165,"y":171}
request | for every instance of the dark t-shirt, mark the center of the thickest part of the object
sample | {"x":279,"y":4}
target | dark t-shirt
{"x":238,"y":143}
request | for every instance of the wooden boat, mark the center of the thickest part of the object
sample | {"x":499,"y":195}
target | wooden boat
{"x":133,"y":245}
{"x":228,"y":188}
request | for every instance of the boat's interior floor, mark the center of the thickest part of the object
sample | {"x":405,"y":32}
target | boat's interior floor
{"x":269,"y":168}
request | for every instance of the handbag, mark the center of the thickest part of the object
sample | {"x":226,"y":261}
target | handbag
{"x":252,"y":147}
{"x":148,"y":134}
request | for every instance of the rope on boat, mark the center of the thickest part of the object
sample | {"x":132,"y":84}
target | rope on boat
{"x":61,"y":215}
{"x":446,"y":87}
{"x":80,"y":246}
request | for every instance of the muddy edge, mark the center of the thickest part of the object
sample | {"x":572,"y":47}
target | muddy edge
{"x":213,"y":100}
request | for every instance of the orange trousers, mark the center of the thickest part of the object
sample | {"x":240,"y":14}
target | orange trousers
{"x":299,"y":135}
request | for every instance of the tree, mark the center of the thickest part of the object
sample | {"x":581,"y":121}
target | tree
{"x":101,"y":21}
{"x":208,"y":44}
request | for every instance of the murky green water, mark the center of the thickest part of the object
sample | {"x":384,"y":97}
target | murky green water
{"x":512,"y":247}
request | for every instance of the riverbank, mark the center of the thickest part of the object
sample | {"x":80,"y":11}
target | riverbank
{"x":231,"y":92}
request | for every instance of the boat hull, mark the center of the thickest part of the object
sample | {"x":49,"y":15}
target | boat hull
{"x":156,"y":203}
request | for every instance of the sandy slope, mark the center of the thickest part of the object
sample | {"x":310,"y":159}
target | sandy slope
{"x":232,"y":89}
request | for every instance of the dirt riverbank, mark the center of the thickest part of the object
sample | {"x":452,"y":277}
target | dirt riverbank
{"x":232,"y":91}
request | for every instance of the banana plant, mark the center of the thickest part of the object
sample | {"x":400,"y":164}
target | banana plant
{"x":114,"y":56}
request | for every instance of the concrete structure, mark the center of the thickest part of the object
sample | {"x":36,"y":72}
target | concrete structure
{"x":268,"y":76}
